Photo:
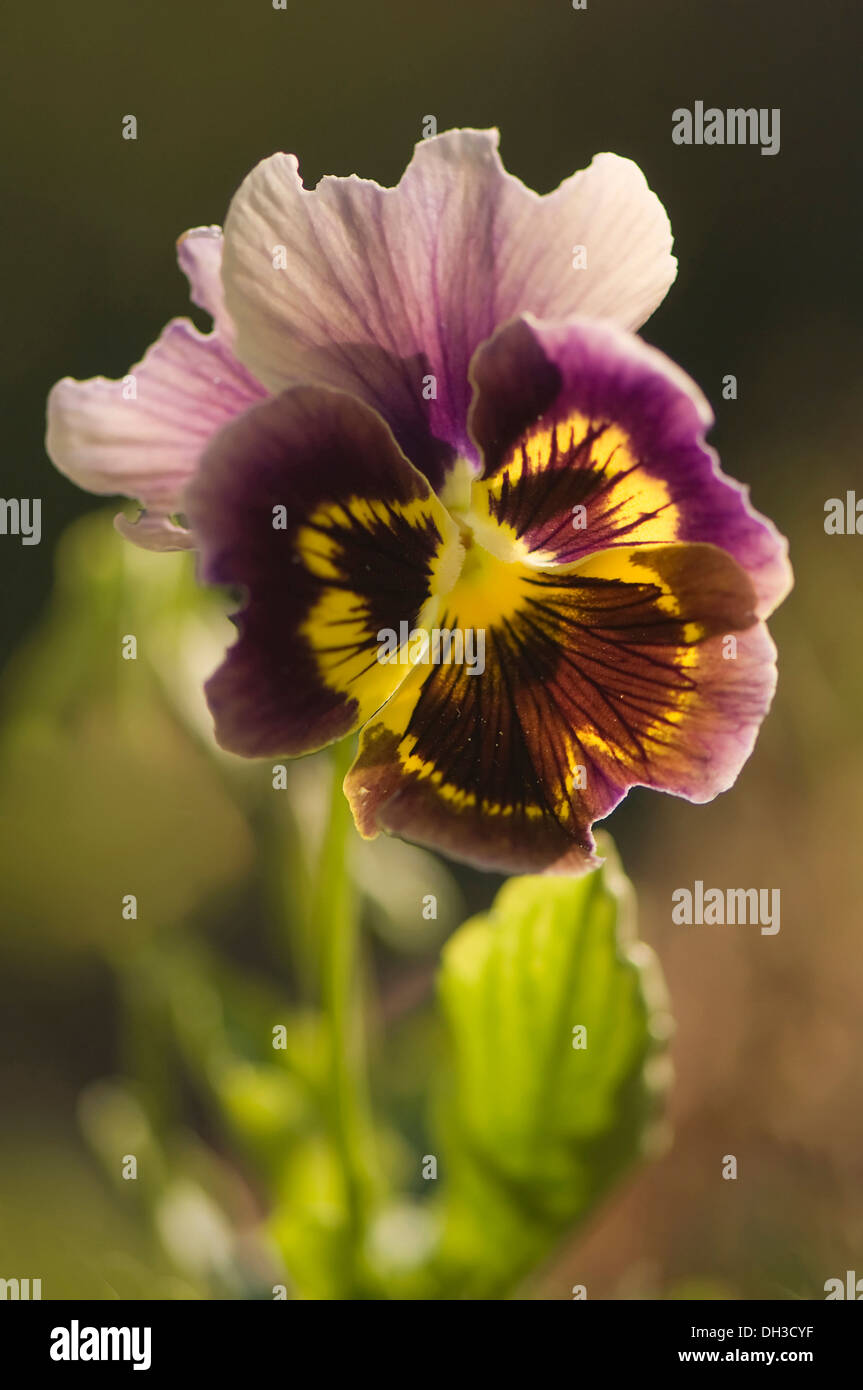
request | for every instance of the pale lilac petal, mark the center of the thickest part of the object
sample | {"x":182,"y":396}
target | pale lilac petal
{"x":155,"y":531}
{"x":146,"y":443}
{"x":199,"y":255}
{"x":376,"y":290}
{"x":142,"y":436}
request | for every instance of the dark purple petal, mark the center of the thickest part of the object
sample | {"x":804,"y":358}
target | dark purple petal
{"x":579,"y":415}
{"x":644,"y":667}
{"x":307,"y":504}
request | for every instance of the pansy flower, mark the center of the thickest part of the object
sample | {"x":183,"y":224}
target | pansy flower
{"x":422,"y":411}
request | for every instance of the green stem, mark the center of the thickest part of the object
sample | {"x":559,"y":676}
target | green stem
{"x":337,"y":919}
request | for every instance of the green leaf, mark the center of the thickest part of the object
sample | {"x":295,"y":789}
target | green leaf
{"x":534,"y":1129}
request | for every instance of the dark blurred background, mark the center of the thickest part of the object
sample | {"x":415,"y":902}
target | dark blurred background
{"x":770,"y":1029}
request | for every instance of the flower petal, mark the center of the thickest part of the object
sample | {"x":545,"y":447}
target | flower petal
{"x":199,"y":255}
{"x":142,"y":437}
{"x":592,"y":439}
{"x":613,"y":673}
{"x":154,"y":531}
{"x":374,"y":290}
{"x":308,"y":504}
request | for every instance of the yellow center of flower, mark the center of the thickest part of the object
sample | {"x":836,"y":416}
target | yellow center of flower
{"x":489,"y":589}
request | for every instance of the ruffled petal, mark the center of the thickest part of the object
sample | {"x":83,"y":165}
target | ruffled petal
{"x":142,"y":436}
{"x":636,"y":667}
{"x":199,"y":256}
{"x":387,"y":292}
{"x":154,"y":531}
{"x":592,"y":439}
{"x":308,"y":505}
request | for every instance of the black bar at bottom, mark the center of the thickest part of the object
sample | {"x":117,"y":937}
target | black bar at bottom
{"x":83,"y":1338}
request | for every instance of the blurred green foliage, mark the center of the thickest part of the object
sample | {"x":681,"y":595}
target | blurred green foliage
{"x":106,"y":791}
{"x":224,"y":1103}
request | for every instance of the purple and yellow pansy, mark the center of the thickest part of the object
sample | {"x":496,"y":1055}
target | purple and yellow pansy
{"x":415,"y":413}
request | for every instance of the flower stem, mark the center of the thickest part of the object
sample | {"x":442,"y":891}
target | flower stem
{"x":336,"y":915}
